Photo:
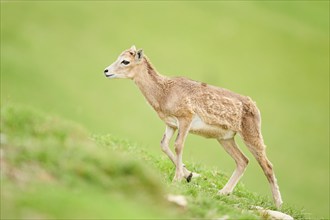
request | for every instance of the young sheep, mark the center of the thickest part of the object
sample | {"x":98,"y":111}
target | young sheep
{"x":198,"y":108}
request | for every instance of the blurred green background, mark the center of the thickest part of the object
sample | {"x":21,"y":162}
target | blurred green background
{"x":53,"y":55}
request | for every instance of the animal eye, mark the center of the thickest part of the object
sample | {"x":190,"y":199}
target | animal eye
{"x":125,"y":62}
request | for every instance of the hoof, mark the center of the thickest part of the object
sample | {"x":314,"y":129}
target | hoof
{"x":178,"y":178}
{"x":189,"y":177}
{"x":224,"y":192}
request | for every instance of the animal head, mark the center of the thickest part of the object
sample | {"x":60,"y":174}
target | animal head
{"x":126,"y":66}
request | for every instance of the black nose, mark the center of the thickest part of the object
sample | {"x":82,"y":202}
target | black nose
{"x":105,"y":71}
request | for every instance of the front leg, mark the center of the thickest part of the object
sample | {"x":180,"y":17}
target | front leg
{"x":184,"y":126}
{"x":169,"y":131}
{"x":164,"y":144}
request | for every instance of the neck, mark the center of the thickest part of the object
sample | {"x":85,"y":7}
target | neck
{"x":151,"y":84}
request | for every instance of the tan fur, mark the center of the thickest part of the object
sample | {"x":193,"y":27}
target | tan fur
{"x":195,"y":107}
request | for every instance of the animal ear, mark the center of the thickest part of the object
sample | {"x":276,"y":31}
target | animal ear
{"x":133,"y":48}
{"x":139,"y":55}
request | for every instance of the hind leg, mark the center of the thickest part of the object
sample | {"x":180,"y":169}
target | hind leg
{"x":251,"y":134}
{"x":258,"y":149}
{"x":241,"y":163}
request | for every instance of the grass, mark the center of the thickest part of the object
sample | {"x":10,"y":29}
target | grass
{"x":52,"y":168}
{"x":277,"y":52}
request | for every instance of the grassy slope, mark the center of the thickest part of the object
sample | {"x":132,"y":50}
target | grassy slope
{"x":50,"y":168}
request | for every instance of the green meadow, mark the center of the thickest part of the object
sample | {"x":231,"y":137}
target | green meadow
{"x":52,"y":168}
{"x":53,"y":54}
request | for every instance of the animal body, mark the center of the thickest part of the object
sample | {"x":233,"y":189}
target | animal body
{"x":194,"y":107}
